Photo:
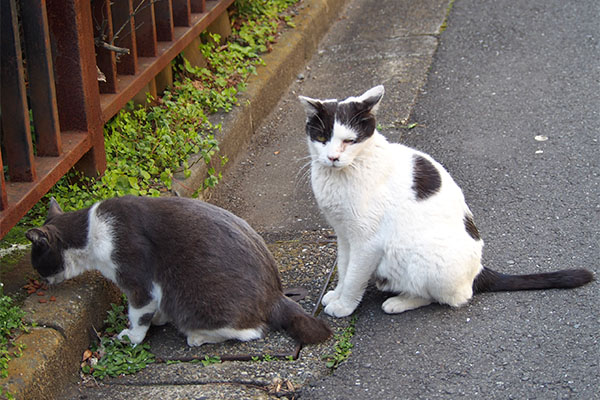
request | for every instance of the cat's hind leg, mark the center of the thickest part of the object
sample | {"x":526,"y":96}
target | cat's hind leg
{"x":457,"y":297}
{"x":198,"y":337}
{"x":401,"y":303}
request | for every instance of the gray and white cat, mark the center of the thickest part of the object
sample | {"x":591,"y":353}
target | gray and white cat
{"x":399,"y":217}
{"x":179,"y":260}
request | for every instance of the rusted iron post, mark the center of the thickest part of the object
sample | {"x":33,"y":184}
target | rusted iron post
{"x":3,"y":195}
{"x":182,"y":13}
{"x":145,"y":27}
{"x":15,"y":113}
{"x":164,"y":20}
{"x":198,"y":6}
{"x":42,"y":94}
{"x":124,"y":36}
{"x":77,"y":94}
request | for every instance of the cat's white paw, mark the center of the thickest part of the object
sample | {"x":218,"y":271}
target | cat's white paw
{"x":329,"y":297}
{"x":340,"y":308}
{"x":196,"y":339}
{"x":399,"y":304}
{"x":135,"y":337}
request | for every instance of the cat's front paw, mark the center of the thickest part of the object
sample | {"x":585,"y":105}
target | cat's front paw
{"x":134,"y":337}
{"x":340,"y":308}
{"x":329,"y":297}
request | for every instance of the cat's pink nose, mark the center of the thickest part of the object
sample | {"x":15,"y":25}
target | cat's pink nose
{"x":333,"y":158}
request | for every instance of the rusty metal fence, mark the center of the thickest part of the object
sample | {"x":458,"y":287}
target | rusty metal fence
{"x":67,"y":67}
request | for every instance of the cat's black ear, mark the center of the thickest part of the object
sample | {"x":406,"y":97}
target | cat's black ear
{"x":53,"y":208}
{"x":38,"y":237}
{"x":311,"y":106}
{"x":371,"y":98}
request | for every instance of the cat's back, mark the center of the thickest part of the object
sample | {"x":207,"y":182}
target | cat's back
{"x":182,"y":231}
{"x":170,"y":223}
{"x":165,"y":212}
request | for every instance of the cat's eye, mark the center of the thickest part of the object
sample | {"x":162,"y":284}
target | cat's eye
{"x":350,"y":141}
{"x":320,"y":138}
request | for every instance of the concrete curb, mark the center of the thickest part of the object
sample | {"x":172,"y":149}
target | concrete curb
{"x":63,"y":331}
{"x":54,"y":348}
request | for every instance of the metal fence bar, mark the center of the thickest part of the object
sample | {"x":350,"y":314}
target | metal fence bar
{"x":124,"y":34}
{"x":70,"y":23}
{"x":3,"y":194}
{"x":40,"y":76}
{"x":15,"y":123}
{"x":198,"y":6}
{"x":182,"y":12}
{"x":164,"y":20}
{"x":145,"y":26}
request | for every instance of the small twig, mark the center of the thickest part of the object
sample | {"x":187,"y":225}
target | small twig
{"x":110,"y":47}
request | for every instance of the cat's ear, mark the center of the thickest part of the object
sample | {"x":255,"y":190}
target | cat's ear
{"x":372,"y":97}
{"x":311,"y":106}
{"x":53,"y":208}
{"x":38,"y":237}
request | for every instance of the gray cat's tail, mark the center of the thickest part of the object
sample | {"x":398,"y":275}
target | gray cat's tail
{"x":492,"y":281}
{"x":289,"y":316}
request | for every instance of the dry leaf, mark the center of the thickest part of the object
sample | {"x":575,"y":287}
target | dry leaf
{"x":52,"y":298}
{"x":86,"y":355}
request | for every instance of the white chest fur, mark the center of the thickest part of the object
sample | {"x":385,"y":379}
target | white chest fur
{"x":97,"y":254}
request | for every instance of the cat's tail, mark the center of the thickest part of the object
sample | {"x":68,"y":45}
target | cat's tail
{"x":289,"y":316}
{"x":492,"y":281}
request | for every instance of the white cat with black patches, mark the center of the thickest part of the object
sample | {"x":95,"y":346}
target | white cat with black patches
{"x":399,"y":217}
{"x":179,"y":260}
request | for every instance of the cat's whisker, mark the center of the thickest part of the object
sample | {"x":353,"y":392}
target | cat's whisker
{"x":303,"y":175}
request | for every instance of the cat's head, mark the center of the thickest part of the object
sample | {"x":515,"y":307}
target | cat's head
{"x":47,"y":247}
{"x":337,"y":130}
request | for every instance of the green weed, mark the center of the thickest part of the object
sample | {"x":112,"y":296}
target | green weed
{"x":210,"y":360}
{"x":113,"y":357}
{"x":343,"y":346}
{"x":11,"y":325}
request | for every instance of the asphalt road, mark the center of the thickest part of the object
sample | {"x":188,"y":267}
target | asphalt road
{"x":512,"y":109}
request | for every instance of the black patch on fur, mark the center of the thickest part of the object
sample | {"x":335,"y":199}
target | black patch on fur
{"x":319,"y":126}
{"x":46,"y":256}
{"x":355,"y":115}
{"x":426,"y":178}
{"x":471,"y":228}
{"x":492,"y":281}
{"x":358,"y":117}
{"x":146,"y":319}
